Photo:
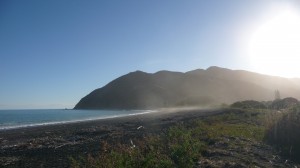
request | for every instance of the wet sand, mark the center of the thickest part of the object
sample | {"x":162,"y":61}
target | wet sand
{"x":52,"y":145}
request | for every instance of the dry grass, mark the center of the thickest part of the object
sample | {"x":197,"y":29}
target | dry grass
{"x":283,"y":131}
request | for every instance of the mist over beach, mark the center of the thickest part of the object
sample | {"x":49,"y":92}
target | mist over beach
{"x":149,"y":83}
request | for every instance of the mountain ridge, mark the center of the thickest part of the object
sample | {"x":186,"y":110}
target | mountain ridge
{"x":215,"y":85}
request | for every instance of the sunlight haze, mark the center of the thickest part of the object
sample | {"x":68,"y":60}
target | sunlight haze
{"x":55,"y":52}
{"x":274,"y":47}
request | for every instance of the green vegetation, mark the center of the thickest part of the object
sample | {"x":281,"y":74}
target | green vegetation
{"x":178,"y":147}
{"x":249,"y":104}
{"x":282,"y":124}
{"x":285,"y":103}
{"x":284,"y":132}
{"x":184,"y":144}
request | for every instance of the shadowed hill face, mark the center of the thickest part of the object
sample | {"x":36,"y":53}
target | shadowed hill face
{"x":137,"y":90}
{"x":140,"y":90}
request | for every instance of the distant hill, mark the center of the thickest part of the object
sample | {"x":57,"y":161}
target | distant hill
{"x":215,"y":85}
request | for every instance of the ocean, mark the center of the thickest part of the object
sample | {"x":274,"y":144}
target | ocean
{"x":11,"y":119}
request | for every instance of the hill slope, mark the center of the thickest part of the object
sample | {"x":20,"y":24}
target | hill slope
{"x":140,"y":90}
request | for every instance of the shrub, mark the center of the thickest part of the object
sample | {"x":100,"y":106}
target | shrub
{"x":249,"y":104}
{"x":184,"y":149}
{"x":284,"y":103}
{"x":284,"y":133}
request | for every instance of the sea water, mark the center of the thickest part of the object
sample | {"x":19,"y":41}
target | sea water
{"x":10,"y":119}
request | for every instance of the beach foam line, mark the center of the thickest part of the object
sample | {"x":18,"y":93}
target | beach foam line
{"x":76,"y":121}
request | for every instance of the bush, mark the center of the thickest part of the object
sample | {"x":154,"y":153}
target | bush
{"x":184,"y":149}
{"x":284,"y":133}
{"x":249,"y":104}
{"x":284,"y":103}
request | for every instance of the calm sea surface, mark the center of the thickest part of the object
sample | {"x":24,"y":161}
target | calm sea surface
{"x":27,"y":118}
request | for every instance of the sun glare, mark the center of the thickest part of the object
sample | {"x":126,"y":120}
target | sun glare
{"x":275,"y":46}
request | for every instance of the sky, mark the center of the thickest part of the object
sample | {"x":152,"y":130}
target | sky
{"x":53,"y":53}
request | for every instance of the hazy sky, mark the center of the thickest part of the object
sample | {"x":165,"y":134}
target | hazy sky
{"x":55,"y":52}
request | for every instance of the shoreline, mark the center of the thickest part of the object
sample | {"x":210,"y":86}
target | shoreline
{"x":53,"y":145}
{"x":7,"y":128}
{"x":162,"y":111}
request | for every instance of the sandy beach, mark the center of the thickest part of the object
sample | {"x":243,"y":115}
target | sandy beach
{"x":53,"y":145}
